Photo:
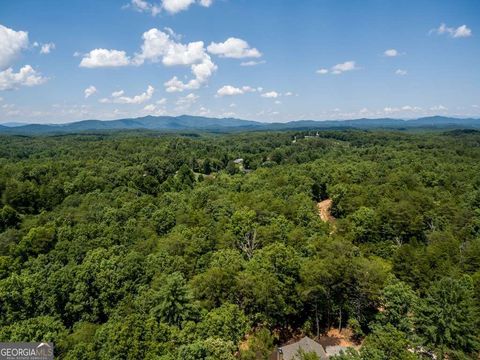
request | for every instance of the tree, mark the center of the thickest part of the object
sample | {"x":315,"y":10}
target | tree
{"x":185,"y":176}
{"x":399,"y":302}
{"x":447,"y":317}
{"x":259,"y":345}
{"x":227,"y":322}
{"x":244,"y":227}
{"x":209,"y":349}
{"x":385,"y":343}
{"x":164,"y":219}
{"x":37,"y":240}
{"x":173,"y":300}
{"x":8,"y":217}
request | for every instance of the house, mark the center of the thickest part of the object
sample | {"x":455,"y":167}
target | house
{"x":291,"y":351}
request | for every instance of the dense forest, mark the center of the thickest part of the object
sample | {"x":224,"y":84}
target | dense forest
{"x":141,"y":245}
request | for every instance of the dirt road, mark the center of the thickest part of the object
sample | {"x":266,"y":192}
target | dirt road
{"x":324,"y":210}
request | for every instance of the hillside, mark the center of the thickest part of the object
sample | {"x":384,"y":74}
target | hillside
{"x":162,"y":247}
{"x":197,"y":123}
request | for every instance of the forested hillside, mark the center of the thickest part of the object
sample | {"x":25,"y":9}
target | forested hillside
{"x":139,"y":245}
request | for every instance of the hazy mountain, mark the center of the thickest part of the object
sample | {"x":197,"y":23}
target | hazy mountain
{"x":186,"y":122}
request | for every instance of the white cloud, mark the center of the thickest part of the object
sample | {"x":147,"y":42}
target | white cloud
{"x":170,"y":6}
{"x":229,"y":90}
{"x":233,"y":48}
{"x":438,"y":108}
{"x":105,"y":58}
{"x":149,"y":107}
{"x":90,"y":91}
{"x":391,"y":53}
{"x":118,"y":98}
{"x":252,"y":63}
{"x":160,"y":46}
{"x":339,"y":68}
{"x":187,"y":101}
{"x":271,"y":94}
{"x":161,"y":101}
{"x":11,"y":45}
{"x":343,"y":67}
{"x":174,"y":6}
{"x":289,"y":93}
{"x":401,"y":72}
{"x":462,"y":31}
{"x":152,"y":109}
{"x":145,"y":6}
{"x":26,"y":76}
{"x":118,"y":93}
{"x":322,"y":71}
{"x":459,"y":32}
{"x":278,"y":102}
{"x":206,"y":3}
{"x":249,"y":89}
{"x":47,"y":48}
{"x":390,"y":110}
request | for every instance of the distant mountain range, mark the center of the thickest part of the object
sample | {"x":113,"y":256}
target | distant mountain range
{"x":197,"y":123}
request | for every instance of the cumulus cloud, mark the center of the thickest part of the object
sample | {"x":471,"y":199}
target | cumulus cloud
{"x":26,"y":76}
{"x":233,"y":48}
{"x":174,"y":6}
{"x":105,"y":58}
{"x":229,"y":90}
{"x":170,"y":6}
{"x":459,"y":32}
{"x":90,"y":91}
{"x":339,"y":68}
{"x":391,"y":53}
{"x":119,"y":98}
{"x":401,"y":72}
{"x":11,"y":45}
{"x":118,"y":93}
{"x":344,"y":67}
{"x":186,"y":101}
{"x":160,"y":46}
{"x":206,"y":3}
{"x":145,"y":6}
{"x":47,"y":48}
{"x":271,"y":95}
{"x":438,"y":108}
{"x":252,"y":63}
{"x":155,"y":110}
{"x":164,"y":47}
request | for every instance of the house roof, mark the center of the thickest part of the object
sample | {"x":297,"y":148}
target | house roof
{"x":306,"y":344}
{"x":335,"y":350}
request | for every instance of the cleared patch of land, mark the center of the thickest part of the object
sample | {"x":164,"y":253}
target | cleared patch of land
{"x":324,"y":210}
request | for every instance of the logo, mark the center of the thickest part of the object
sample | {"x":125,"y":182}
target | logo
{"x":26,"y":351}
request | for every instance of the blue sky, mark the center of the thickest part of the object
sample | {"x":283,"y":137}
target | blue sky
{"x":267,"y":60}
